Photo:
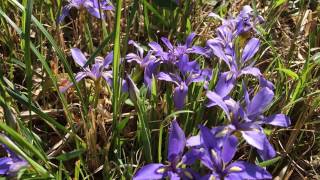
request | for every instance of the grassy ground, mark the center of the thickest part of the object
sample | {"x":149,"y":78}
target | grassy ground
{"x":93,"y":132}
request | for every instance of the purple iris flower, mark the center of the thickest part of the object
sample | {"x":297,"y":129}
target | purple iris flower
{"x":174,"y":53}
{"x":11,"y":164}
{"x":241,"y":67}
{"x":244,"y":22}
{"x":217,"y":154}
{"x":249,"y":120}
{"x":96,"y":72}
{"x":223,"y":46}
{"x":174,"y":169}
{"x":92,"y":6}
{"x":189,"y":73}
{"x":148,"y":62}
{"x":227,"y":79}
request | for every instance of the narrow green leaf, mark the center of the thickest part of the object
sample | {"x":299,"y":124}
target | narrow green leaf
{"x":279,"y":3}
{"x":154,"y":10}
{"x":70,"y":155}
{"x":26,"y":44}
{"x":122,"y":124}
{"x":116,"y":75}
{"x":22,"y":142}
{"x":58,"y":51}
{"x":289,"y":72}
{"x":24,"y":100}
{"x":41,"y":170}
{"x":270,"y":162}
{"x":176,"y":113}
{"x":45,"y":66}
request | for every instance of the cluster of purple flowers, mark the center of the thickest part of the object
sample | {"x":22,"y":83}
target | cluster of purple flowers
{"x":216,"y":147}
{"x":94,"y":7}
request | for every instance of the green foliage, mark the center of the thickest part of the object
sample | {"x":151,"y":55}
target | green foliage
{"x":51,"y":130}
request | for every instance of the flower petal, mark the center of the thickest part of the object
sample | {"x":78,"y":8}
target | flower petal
{"x":177,"y":141}
{"x":250,"y":70}
{"x":190,"y":39}
{"x":140,"y":49}
{"x":244,"y":170}
{"x":218,"y":51}
{"x":5,"y":165}
{"x":215,"y":99}
{"x":108,"y":59}
{"x":154,"y":171}
{"x":265,"y":83}
{"x":64,"y":13}
{"x":179,"y":95}
{"x":229,"y":148}
{"x":107,"y":75}
{"x":167,"y":43}
{"x":207,"y":139}
{"x":199,"y":50}
{"x":216,"y":16}
{"x":173,"y":175}
{"x":255,"y":138}
{"x":191,"y":156}
{"x":149,"y":72}
{"x":78,"y":57}
{"x":168,"y":77}
{"x":79,"y":77}
{"x":278,"y":120}
{"x":155,"y":47}
{"x":268,"y":151}
{"x":185,"y":66}
{"x":260,"y":101}
{"x":245,"y":93}
{"x":250,"y":49}
{"x":225,"y":83}
{"x":96,"y":12}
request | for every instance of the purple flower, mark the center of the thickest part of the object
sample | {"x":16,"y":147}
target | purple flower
{"x":148,"y":62}
{"x":173,"y":170}
{"x":249,"y":120}
{"x":227,"y":79}
{"x":244,"y":22}
{"x":174,"y":53}
{"x":217,"y":153}
{"x":97,"y":70}
{"x":189,"y":73}
{"x":11,"y":164}
{"x":223,"y":46}
{"x":92,"y":6}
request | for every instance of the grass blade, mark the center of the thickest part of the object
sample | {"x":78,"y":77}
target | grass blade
{"x":41,"y":170}
{"x":26,"y":45}
{"x":115,"y":70}
{"x":59,"y":53}
{"x":45,"y":66}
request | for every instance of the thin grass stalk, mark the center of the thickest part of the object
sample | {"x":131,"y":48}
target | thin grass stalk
{"x":26,"y":46}
{"x":47,"y":69}
{"x":61,"y":56}
{"x":41,"y":170}
{"x":146,"y":20}
{"x":156,"y":13}
{"x":133,"y":10}
{"x":115,"y":70}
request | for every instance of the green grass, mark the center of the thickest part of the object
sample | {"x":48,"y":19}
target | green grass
{"x":121,"y":132}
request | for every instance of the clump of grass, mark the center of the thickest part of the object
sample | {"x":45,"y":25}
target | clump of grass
{"x":100,"y":129}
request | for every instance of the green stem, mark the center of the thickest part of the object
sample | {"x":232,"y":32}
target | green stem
{"x":116,"y":79}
